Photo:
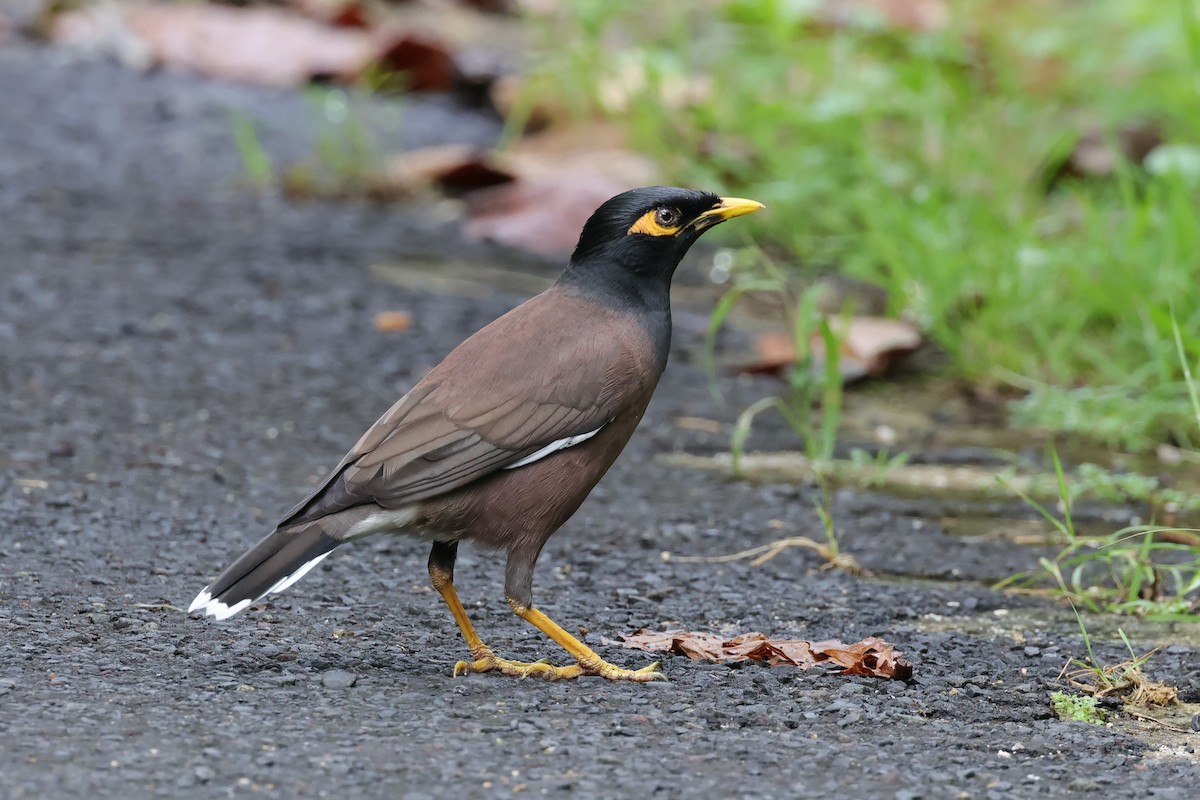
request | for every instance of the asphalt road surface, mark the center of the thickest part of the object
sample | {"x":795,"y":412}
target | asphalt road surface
{"x":180,"y":358}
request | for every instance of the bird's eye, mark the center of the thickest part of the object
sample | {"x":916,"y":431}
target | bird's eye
{"x":667,"y":217}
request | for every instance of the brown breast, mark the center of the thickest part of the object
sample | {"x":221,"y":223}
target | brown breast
{"x":522,"y":507}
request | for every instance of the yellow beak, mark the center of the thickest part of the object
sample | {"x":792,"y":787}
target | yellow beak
{"x":728,"y":208}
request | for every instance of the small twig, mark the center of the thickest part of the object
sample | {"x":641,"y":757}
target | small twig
{"x":158,"y":607}
{"x":765,"y":552}
{"x":1169,"y":725}
{"x":801,"y":541}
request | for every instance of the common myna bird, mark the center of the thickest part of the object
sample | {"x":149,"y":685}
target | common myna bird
{"x":502,"y":441}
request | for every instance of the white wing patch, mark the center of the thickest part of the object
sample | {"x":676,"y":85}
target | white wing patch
{"x":554,"y":447}
{"x":389,"y":521}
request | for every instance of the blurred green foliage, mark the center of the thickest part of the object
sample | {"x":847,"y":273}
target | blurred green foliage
{"x":924,"y":161}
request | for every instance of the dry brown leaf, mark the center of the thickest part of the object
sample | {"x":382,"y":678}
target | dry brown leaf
{"x":560,"y":178}
{"x":425,"y":62}
{"x":774,"y":351}
{"x":538,"y":215}
{"x":258,"y":45}
{"x":272,"y":46}
{"x":339,"y":13}
{"x":351,"y":15}
{"x":874,"y":340}
{"x":868,"y":346}
{"x":452,"y":167}
{"x":393,"y":321}
{"x":871,"y":656}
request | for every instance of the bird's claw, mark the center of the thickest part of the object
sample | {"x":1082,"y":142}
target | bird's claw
{"x":647,"y":674}
{"x":544,"y":670}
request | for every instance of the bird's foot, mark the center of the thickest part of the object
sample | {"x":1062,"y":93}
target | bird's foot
{"x":612,"y":672}
{"x":488,"y":662}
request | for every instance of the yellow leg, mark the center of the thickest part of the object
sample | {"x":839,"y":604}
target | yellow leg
{"x":588,"y":662}
{"x":442,"y":576}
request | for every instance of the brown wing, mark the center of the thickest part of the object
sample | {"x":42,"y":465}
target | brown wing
{"x":486,"y":406}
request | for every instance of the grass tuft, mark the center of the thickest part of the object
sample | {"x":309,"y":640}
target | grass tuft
{"x":255,"y":160}
{"x":1150,"y":570}
{"x":1077,"y":708}
{"x":1124,"y":680}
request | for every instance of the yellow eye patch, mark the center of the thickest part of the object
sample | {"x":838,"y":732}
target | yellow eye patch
{"x":648,"y":224}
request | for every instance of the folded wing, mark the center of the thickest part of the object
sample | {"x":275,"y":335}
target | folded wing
{"x":439,"y":437}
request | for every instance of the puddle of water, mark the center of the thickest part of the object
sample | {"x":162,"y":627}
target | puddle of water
{"x":1031,"y":532}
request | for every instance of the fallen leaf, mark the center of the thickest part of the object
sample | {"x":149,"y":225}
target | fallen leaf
{"x":538,"y":215}
{"x":425,"y":62}
{"x":452,"y":167}
{"x":774,"y":351}
{"x":339,"y":13}
{"x":560,"y":177}
{"x":871,"y":656}
{"x":350,"y":15}
{"x":393,"y":321}
{"x":271,"y":46}
{"x":868,"y":346}
{"x":258,"y":45}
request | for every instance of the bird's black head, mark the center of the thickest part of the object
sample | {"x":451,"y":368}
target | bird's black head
{"x":643,"y":234}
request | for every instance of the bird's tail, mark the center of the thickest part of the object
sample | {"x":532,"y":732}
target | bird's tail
{"x":280,"y":559}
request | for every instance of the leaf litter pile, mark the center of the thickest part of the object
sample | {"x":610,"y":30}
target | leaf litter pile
{"x":872,"y":656}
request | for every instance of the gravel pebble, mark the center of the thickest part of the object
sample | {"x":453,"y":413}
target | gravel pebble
{"x":339,"y":679}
